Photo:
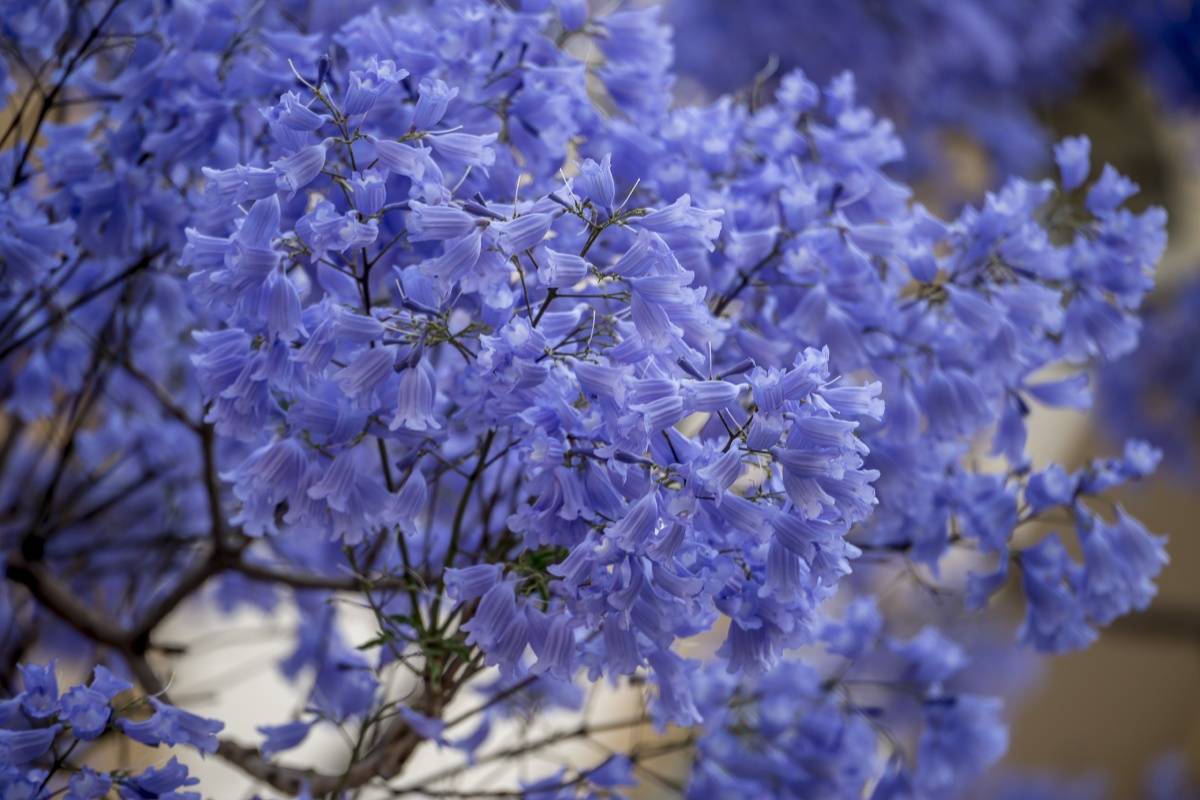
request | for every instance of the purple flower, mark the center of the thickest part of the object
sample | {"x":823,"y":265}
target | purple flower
{"x":173,"y":726}
{"x":283,"y":737}
{"x":299,"y":169}
{"x":963,"y":736}
{"x":465,"y":149}
{"x":161,"y":782}
{"x":437,"y":223}
{"x":18,"y":748}
{"x":433,"y":98}
{"x":470,"y":583}
{"x":40,"y":698}
{"x":1072,"y":155}
{"x":88,"y":784}
{"x":87,"y":710}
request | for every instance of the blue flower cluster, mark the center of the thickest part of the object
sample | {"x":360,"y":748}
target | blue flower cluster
{"x":39,"y":722}
{"x":105,"y":458}
{"x":796,"y":735}
{"x":448,"y":308}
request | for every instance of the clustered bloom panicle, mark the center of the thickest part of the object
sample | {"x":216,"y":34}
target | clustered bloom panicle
{"x":555,"y":378}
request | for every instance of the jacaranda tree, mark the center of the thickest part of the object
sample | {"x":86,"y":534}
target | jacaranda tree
{"x":444,"y":308}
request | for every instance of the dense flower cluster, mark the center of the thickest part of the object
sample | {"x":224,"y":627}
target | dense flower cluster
{"x":116,"y":108}
{"x":806,"y":736}
{"x":552,"y":377}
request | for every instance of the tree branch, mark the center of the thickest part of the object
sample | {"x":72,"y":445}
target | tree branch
{"x":63,"y":604}
{"x":59,"y":314}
